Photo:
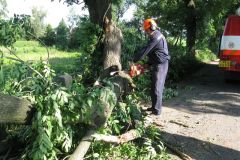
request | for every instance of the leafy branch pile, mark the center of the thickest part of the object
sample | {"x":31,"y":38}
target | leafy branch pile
{"x":63,"y":115}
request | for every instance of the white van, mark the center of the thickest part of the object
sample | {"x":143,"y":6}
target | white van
{"x":229,"y":53}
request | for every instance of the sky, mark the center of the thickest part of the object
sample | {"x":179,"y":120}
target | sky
{"x":55,"y":10}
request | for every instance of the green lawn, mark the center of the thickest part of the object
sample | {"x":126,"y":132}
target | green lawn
{"x":61,"y":61}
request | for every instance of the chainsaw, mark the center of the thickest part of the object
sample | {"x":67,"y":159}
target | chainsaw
{"x":136,"y":70}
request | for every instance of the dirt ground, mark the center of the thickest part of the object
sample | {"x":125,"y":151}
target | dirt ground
{"x":203,"y":121}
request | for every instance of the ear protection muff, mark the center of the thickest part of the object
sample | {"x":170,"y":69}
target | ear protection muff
{"x":153,"y":26}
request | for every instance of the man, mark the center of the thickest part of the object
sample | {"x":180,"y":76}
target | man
{"x":158,"y":57}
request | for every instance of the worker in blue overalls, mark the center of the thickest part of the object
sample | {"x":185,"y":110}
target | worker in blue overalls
{"x":158,"y":57}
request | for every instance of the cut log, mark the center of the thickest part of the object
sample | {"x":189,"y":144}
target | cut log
{"x":83,"y":146}
{"x":14,"y":110}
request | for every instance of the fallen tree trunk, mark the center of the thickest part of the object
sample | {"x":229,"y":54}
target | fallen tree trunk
{"x":112,"y":56}
{"x":14,"y":110}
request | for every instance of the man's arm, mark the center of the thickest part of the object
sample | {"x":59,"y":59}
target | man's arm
{"x":145,"y":50}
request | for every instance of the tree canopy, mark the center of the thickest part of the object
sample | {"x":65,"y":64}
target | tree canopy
{"x":196,"y":20}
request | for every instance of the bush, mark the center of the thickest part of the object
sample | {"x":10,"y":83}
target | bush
{"x":205,"y":55}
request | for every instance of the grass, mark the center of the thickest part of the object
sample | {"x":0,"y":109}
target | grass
{"x":61,"y":61}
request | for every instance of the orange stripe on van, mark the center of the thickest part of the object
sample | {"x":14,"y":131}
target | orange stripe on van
{"x":230,"y":52}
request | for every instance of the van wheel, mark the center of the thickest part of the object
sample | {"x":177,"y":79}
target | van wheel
{"x":231,"y":76}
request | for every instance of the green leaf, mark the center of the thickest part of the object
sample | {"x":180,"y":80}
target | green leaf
{"x":89,"y":102}
{"x":59,"y":117}
{"x":46,"y":141}
{"x":95,"y":155}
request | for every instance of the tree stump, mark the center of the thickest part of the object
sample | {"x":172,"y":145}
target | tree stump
{"x":14,"y":110}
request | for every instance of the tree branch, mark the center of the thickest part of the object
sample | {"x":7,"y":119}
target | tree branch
{"x":180,"y":154}
{"x":126,"y":137}
{"x":42,"y":44}
{"x":20,"y":60}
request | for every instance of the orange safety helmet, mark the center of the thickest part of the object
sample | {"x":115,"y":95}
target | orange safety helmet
{"x":149,"y":23}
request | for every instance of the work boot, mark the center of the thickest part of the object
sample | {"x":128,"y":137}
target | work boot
{"x":154,"y":111}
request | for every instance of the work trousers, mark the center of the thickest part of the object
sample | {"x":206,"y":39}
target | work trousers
{"x":158,"y":77}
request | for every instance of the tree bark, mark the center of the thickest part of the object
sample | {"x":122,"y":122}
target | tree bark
{"x":98,"y":9}
{"x":101,"y":13}
{"x":121,"y":81}
{"x":14,"y":110}
{"x":112,"y":45}
{"x":191,"y":26}
{"x":83,"y":146}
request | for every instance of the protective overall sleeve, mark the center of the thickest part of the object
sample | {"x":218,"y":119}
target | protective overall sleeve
{"x":146,"y":49}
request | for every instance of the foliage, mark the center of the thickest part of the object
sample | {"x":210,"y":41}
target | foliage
{"x":10,"y":30}
{"x":49,"y":37}
{"x":62,"y":33}
{"x":75,"y":38}
{"x":37,"y":19}
{"x":210,"y":17}
{"x":88,"y":33}
{"x":2,"y":76}
{"x":27,"y":28}
{"x":169,"y":93}
{"x":87,"y":37}
{"x":205,"y":55}
{"x":59,"y":110}
{"x":119,"y":8}
{"x":15,"y":28}
{"x":181,"y":64}
{"x":3,"y":8}
{"x":73,"y":18}
{"x":134,"y":39}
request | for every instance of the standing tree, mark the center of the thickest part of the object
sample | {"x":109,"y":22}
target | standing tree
{"x":49,"y":37}
{"x":100,"y":12}
{"x":3,"y":8}
{"x":38,"y":16}
{"x":62,"y":33}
